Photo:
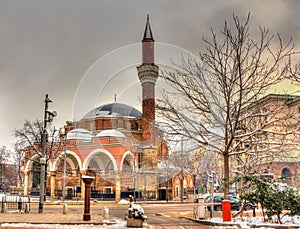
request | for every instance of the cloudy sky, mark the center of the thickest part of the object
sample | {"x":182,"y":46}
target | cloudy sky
{"x":82,"y":52}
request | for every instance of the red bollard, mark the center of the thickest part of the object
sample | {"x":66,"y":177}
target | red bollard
{"x":226,"y":211}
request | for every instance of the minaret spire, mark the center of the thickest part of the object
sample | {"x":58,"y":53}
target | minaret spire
{"x":148,"y":32}
{"x":148,"y":45}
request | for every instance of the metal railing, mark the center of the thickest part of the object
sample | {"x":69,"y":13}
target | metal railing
{"x":15,"y":203}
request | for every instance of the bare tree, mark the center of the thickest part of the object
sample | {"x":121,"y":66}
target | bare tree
{"x":211,"y":93}
{"x":18,"y":158}
{"x":29,"y":140}
{"x":4,"y":156}
{"x":295,"y":74}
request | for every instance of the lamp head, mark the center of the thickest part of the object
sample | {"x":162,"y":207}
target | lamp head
{"x":54,"y":113}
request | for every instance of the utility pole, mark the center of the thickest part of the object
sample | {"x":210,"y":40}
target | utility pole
{"x":65,"y":169}
{"x":181,"y":173}
{"x":48,"y":117}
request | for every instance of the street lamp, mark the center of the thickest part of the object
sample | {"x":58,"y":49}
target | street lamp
{"x":181,"y":172}
{"x":65,"y":169}
{"x":48,"y":117}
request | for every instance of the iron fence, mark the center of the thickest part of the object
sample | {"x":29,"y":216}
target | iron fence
{"x":15,"y":203}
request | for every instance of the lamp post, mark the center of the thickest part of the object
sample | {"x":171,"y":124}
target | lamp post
{"x":134,"y":177}
{"x":48,"y":117}
{"x":181,"y":172}
{"x":65,"y":170}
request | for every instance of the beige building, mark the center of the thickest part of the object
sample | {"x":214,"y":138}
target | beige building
{"x":269,"y":140}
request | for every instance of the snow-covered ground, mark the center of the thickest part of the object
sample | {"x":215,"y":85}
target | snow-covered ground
{"x":119,"y":224}
{"x":249,"y":222}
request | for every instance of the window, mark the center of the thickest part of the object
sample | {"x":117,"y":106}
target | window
{"x":92,"y":126}
{"x":177,"y":191}
{"x":107,"y":190}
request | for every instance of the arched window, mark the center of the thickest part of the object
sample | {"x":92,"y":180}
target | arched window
{"x":286,"y":175}
{"x":135,"y":126}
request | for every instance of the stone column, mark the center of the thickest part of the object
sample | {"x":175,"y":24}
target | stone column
{"x":87,"y":197}
{"x":118,"y":186}
{"x":52,"y":185}
{"x":26,"y":181}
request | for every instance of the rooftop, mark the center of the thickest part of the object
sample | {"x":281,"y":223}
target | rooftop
{"x":113,"y":110}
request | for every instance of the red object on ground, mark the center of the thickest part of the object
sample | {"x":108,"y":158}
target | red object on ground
{"x":226,"y":211}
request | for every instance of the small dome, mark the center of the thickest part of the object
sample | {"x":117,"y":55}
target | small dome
{"x":111,"y":133}
{"x":113,"y":110}
{"x":80,"y":134}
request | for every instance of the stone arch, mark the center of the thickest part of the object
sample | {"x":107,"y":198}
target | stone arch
{"x":101,"y":163}
{"x":53,"y":166}
{"x":30,"y":162}
{"x":133,"y":160}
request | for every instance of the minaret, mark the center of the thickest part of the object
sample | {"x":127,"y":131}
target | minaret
{"x":148,"y":74}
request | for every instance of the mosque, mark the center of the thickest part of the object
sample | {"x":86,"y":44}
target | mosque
{"x":115,"y":143}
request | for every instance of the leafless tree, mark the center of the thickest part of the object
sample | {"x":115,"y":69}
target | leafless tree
{"x":18,"y":159}
{"x":295,"y":75}
{"x":29,"y":140}
{"x":4,"y":154}
{"x":3,"y":160}
{"x":210,"y":93}
{"x":7,"y":171}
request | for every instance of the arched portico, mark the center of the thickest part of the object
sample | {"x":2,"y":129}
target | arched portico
{"x":128,"y":159}
{"x":60,"y":182}
{"x":69,"y":154}
{"x":101,"y":164}
{"x":31,"y":173}
{"x":104,"y":156}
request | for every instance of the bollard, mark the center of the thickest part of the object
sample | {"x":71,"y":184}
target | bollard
{"x":65,"y":209}
{"x":226,"y":210}
{"x":4,"y":208}
{"x":27,"y":208}
{"x":105,"y":213}
{"x":199,"y":210}
{"x":20,"y":204}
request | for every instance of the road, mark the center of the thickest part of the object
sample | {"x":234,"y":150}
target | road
{"x":165,"y":216}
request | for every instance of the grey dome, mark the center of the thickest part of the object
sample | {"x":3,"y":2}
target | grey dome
{"x":113,"y":110}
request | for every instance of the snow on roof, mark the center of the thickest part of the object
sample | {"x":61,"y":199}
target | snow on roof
{"x":80,"y":134}
{"x":111,"y":133}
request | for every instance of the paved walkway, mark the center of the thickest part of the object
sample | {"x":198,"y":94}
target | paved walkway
{"x":53,"y":214}
{"x":49,"y":218}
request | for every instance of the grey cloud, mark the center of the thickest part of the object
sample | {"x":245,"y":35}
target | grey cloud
{"x":47,"y":46}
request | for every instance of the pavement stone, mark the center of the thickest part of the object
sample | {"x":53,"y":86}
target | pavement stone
{"x":53,"y":214}
{"x":48,"y":218}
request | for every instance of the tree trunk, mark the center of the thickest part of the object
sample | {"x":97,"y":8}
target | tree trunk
{"x":226,"y":175}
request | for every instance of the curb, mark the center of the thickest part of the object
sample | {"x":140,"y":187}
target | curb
{"x":251,"y":225}
{"x":210,"y":223}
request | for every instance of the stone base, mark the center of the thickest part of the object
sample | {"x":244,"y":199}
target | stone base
{"x":86,"y":217}
{"x":131,"y":222}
